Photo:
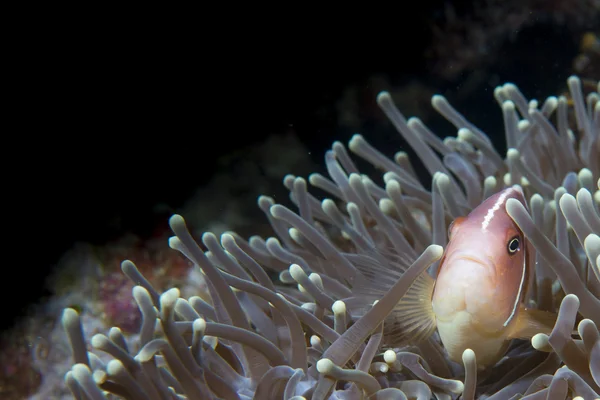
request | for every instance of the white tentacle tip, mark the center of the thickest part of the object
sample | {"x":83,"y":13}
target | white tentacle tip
{"x":296,"y":271}
{"x":315,"y":341}
{"x":513,"y":154}
{"x":325,"y":366}
{"x":339,"y":307}
{"x":389,"y":356}
{"x":384,"y":96}
{"x":468,"y":356}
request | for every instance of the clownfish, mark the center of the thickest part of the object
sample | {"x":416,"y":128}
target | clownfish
{"x":477,"y":300}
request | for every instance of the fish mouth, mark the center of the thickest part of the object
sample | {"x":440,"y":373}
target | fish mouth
{"x":485,"y":263}
{"x":460,"y":256}
{"x":470,"y":259}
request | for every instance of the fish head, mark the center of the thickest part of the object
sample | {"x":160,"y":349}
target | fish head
{"x":483,"y":272}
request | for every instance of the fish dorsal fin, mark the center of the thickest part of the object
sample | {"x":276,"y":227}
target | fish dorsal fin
{"x":530,"y":322}
{"x":412,"y":320}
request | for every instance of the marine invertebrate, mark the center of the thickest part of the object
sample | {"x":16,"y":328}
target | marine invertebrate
{"x":312,"y":334}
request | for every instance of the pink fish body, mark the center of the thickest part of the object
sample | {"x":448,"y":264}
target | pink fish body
{"x":477,"y":301}
{"x":481,"y":281}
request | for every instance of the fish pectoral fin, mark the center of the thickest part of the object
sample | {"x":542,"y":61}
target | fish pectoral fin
{"x":412,"y":320}
{"x":529,"y":322}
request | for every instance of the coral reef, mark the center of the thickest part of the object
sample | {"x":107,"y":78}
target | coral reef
{"x":91,"y":282}
{"x":587,"y":62}
{"x":298,"y":336}
{"x":470,"y":39}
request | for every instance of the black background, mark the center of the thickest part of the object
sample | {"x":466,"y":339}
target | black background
{"x":109,"y":124}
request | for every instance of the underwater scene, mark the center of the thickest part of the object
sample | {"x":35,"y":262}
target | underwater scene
{"x":410,"y":228}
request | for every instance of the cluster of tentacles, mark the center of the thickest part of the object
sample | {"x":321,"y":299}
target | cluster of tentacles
{"x":295,"y":336}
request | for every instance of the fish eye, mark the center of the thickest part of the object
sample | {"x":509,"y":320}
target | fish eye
{"x":514,"y":245}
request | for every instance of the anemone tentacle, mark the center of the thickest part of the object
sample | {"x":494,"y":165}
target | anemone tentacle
{"x":308,"y":335}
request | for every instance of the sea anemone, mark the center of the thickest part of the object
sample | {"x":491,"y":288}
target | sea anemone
{"x":297,"y":336}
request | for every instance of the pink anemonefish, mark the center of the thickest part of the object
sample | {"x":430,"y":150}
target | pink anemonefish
{"x":477,"y":300}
